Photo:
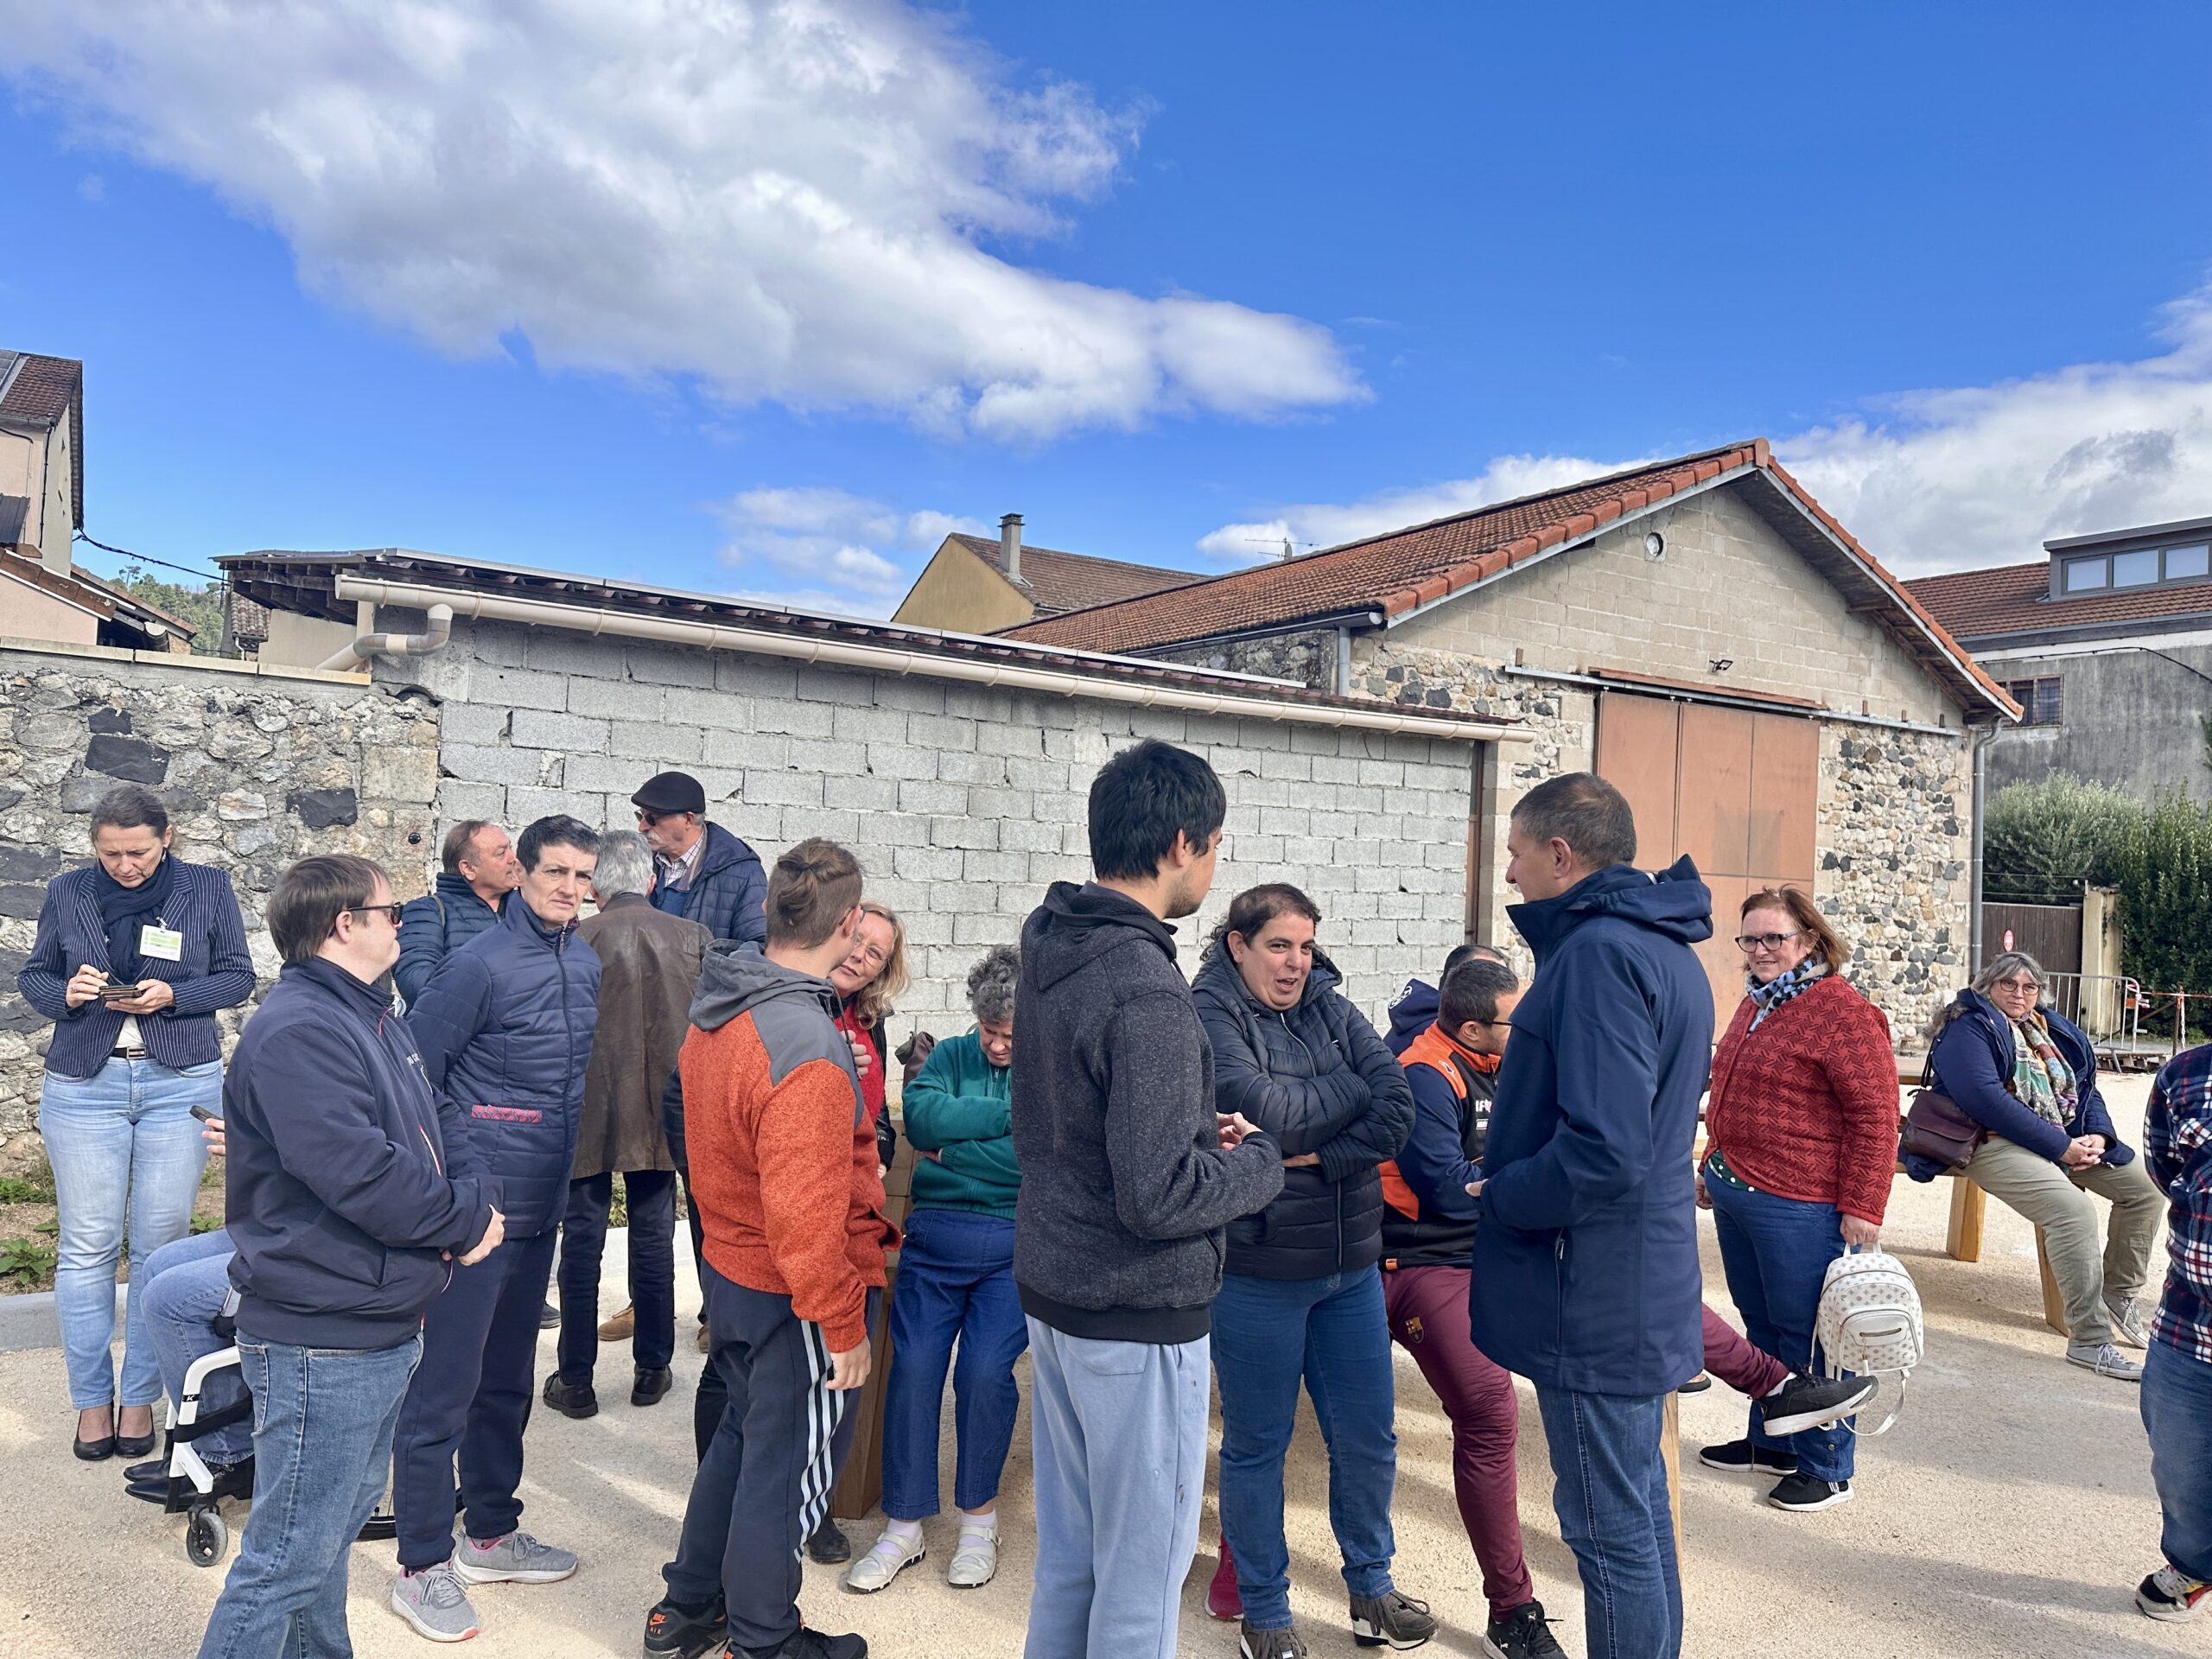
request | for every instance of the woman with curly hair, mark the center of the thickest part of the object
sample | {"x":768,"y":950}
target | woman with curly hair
{"x":955,"y":1280}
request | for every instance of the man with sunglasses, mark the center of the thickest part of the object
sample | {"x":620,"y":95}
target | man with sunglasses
{"x":703,"y":873}
{"x":351,"y":1203}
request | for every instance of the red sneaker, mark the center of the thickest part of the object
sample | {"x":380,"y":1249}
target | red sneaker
{"x":1223,"y":1600}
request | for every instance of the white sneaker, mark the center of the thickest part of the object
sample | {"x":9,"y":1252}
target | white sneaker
{"x":2104,"y":1360}
{"x":2126,"y":1316}
{"x":887,"y":1557}
{"x":975,"y":1561}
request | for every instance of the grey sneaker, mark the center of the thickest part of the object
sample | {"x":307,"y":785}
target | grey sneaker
{"x":2104,"y":1360}
{"x":516,"y":1559}
{"x":435,"y":1603}
{"x":1252,"y":1642}
{"x":2126,"y":1316}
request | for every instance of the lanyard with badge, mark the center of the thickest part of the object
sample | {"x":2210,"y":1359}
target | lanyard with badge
{"x":162,"y":943}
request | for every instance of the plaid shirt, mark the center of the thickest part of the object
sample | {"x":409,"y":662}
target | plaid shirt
{"x":2178,"y":1144}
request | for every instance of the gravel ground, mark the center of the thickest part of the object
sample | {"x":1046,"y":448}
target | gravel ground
{"x":2009,"y":1513}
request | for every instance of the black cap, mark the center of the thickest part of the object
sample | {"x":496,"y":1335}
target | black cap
{"x":672,"y":791}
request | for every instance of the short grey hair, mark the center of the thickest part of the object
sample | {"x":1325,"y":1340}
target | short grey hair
{"x":2008,"y":964}
{"x":991,"y":985}
{"x":626,"y":865}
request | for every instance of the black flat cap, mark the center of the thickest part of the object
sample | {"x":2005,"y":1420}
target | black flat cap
{"x":672,"y":791}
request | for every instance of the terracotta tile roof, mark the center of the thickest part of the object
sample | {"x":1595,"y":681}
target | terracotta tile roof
{"x":1057,"y":582}
{"x":2016,"y":599}
{"x":1392,"y":573}
{"x":38,"y":390}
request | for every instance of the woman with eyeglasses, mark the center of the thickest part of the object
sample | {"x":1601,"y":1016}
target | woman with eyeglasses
{"x":133,"y":955}
{"x":1802,"y":1142}
{"x":2028,"y":1074}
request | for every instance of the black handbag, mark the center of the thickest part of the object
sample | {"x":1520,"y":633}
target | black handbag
{"x":1935,"y":1128}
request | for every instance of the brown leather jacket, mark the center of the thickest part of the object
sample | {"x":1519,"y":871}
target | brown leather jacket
{"x":649,"y":966}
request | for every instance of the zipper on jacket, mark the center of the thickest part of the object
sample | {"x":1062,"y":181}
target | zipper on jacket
{"x":1313,"y":1070}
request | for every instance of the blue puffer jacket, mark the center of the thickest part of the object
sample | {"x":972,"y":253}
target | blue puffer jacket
{"x":1585,"y":1264}
{"x":1318,"y":1079}
{"x":1972,"y":1061}
{"x":729,"y":896}
{"x":505,"y":1027}
{"x":436,"y":926}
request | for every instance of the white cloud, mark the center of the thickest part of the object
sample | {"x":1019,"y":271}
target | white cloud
{"x":786,"y":198}
{"x":927,"y":530}
{"x":1945,"y":479}
{"x":827,"y":540}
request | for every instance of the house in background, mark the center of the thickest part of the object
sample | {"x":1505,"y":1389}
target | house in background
{"x":2106,"y":643}
{"x":1773,"y":703}
{"x":974,"y":585}
{"x":43,"y":594}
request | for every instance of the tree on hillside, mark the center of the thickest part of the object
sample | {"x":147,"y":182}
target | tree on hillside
{"x":201,"y":607}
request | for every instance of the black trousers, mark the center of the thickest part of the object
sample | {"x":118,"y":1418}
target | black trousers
{"x":651,"y":1194}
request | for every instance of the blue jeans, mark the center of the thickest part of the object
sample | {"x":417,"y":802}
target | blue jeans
{"x":1120,"y":1434}
{"x":1610,"y":1490}
{"x":955,"y":1280}
{"x":1334,"y":1335}
{"x":185,"y":1285}
{"x":322,"y":1422}
{"x":127,"y":1154}
{"x":1776,"y":1252}
{"x":2177,"y":1413}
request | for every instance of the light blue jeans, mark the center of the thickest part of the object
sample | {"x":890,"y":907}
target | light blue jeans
{"x":183,"y":1287}
{"x":1120,"y":1435}
{"x":127,"y":1154}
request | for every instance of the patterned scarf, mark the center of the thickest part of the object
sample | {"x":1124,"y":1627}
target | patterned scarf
{"x":1779,"y":989}
{"x":2041,"y":1077}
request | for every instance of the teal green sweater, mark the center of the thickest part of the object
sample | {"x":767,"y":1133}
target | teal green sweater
{"x":960,"y":1107}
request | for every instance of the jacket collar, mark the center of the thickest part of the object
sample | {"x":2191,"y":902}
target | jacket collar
{"x":626,"y":901}
{"x":366,"y":999}
{"x":453,"y":886}
{"x":523,"y":920}
{"x":1673,"y":902}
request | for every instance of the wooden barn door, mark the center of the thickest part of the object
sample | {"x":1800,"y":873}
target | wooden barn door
{"x":1735,"y":790}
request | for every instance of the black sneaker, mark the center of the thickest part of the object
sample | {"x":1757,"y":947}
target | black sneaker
{"x":1390,"y":1620}
{"x":1804,"y":1402}
{"x":1252,"y":1642}
{"x":570,"y":1402}
{"x":804,"y":1643}
{"x":673,"y":1633}
{"x":828,"y":1546}
{"x":1805,"y":1493}
{"x":653,"y":1382}
{"x":1742,"y":1457}
{"x":1521,"y":1634}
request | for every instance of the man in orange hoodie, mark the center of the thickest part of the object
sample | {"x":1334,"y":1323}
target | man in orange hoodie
{"x":783,"y":1169}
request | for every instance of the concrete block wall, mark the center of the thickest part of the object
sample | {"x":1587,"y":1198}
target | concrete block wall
{"x":963,"y":803}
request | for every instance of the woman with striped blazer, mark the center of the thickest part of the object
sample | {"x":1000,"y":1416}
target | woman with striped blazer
{"x":133,"y":955}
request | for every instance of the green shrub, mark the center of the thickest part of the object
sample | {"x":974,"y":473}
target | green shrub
{"x":2163,"y":871}
{"x":2040,"y":842}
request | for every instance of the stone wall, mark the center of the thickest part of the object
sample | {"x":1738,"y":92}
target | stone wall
{"x":1309,"y":657}
{"x":257,"y":768}
{"x":963,"y":803}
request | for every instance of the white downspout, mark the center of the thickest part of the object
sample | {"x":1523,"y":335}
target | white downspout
{"x":368,"y":642}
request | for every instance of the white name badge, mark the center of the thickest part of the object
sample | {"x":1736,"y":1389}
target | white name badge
{"x":162,"y":943}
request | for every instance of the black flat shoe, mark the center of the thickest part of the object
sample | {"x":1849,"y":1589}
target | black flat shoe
{"x":133,"y":1446}
{"x":570,"y":1403}
{"x":154,"y":1469}
{"x":101,"y":1450}
{"x":653,"y":1382}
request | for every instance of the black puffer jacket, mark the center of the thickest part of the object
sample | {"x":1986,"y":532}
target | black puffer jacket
{"x":1318,"y":1079}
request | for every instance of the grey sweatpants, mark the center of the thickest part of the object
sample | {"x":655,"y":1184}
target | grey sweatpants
{"x":1120,"y":1435}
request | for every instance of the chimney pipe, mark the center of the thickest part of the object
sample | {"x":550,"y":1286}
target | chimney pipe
{"x":1010,"y":546}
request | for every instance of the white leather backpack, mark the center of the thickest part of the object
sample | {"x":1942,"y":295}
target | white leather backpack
{"x":1869,"y":1322}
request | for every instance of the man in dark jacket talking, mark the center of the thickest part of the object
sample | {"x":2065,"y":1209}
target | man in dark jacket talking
{"x":1585,"y":1268}
{"x":505,"y":1027}
{"x":1129,"y":1179}
{"x":349,"y":1216}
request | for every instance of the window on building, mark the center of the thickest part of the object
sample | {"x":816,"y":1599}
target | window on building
{"x":2042,"y":701}
{"x":2083,"y":575}
{"x":2183,"y":562}
{"x":2135,"y":569}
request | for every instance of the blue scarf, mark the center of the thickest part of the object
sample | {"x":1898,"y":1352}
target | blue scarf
{"x":123,"y":910}
{"x":1779,"y":989}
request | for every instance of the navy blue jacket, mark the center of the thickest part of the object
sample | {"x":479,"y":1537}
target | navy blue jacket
{"x":339,"y":1197}
{"x":1585,"y":1264}
{"x":1414,"y":1011}
{"x":214,"y":972}
{"x":436,"y":926}
{"x":729,"y":895}
{"x":1318,"y":1079}
{"x":1972,"y":1061}
{"x":505,"y":1027}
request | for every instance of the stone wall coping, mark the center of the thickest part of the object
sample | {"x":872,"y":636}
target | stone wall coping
{"x":179,"y":659}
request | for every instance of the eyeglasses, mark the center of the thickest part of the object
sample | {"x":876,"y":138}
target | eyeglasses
{"x":1748,"y":943}
{"x":390,"y":912}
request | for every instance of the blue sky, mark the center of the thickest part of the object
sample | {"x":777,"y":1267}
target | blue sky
{"x":760,"y":299}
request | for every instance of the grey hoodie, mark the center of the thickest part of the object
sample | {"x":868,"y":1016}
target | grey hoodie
{"x":1125,"y":1191}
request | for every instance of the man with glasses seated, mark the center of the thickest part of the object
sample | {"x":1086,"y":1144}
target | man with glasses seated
{"x":703,"y":873}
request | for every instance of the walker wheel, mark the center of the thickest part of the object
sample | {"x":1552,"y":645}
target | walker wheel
{"x":205,"y":1537}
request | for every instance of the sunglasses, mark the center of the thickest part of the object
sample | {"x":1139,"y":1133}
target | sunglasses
{"x":392,"y":911}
